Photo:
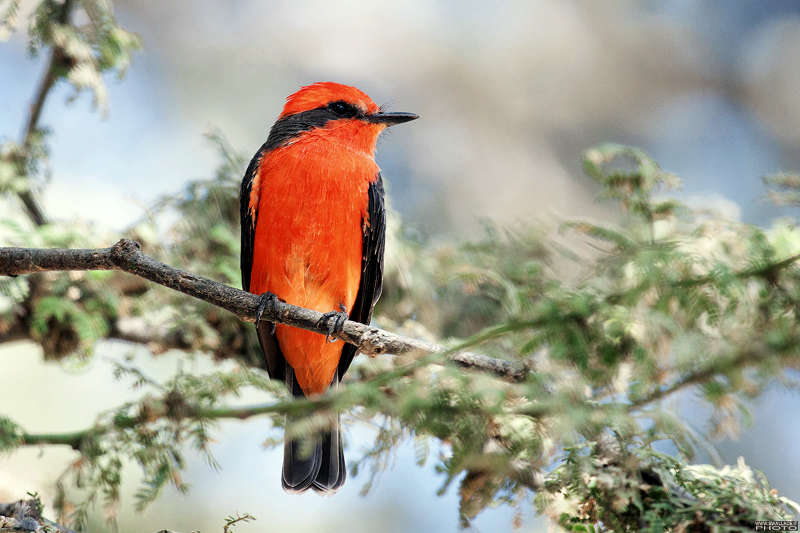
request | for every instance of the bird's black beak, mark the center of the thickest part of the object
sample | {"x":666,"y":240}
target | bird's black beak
{"x":390,"y":119}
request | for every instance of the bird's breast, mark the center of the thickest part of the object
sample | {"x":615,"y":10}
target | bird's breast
{"x":308,"y":242}
{"x":310,"y":214}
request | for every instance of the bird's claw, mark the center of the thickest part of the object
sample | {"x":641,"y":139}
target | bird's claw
{"x":334,"y":320}
{"x":266,"y":302}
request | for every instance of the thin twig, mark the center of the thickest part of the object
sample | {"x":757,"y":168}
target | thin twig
{"x":157,"y":409}
{"x":745,"y":357}
{"x":126,"y":256}
{"x":175,"y":408}
{"x":767,"y":271}
{"x":233,"y":520}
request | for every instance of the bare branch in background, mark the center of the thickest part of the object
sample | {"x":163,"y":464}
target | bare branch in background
{"x":126,"y":256}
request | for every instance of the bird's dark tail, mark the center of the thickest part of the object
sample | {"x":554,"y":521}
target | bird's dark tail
{"x":313,"y":462}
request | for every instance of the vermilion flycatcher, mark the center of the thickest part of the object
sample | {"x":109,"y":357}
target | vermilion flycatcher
{"x":313,"y":229}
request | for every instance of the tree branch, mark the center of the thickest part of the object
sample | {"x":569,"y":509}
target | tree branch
{"x":174,"y":407}
{"x":126,"y":256}
{"x":54,"y":61}
{"x":746,"y":356}
{"x":158,"y":408}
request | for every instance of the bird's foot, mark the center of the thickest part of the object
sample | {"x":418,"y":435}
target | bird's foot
{"x":266,"y":302}
{"x":334,"y":321}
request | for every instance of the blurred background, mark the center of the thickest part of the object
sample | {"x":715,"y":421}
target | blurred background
{"x":509,"y":96}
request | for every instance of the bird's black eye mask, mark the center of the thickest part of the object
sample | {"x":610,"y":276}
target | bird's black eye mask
{"x":343,"y":109}
{"x":291,"y":126}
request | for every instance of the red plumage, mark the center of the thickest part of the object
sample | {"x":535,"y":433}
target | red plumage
{"x":313,"y":197}
{"x":313,"y":227}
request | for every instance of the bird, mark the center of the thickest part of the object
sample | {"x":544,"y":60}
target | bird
{"x":313,"y":225}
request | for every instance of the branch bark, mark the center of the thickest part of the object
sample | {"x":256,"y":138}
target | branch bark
{"x":126,"y":256}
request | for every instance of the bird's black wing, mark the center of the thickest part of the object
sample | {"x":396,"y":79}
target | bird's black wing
{"x":248,"y":218}
{"x":373,"y":244}
{"x":275,"y":362}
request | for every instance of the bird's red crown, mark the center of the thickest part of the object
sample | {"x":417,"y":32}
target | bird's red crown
{"x":323,"y":93}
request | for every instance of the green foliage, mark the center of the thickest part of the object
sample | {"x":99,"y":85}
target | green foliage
{"x":11,"y":179}
{"x":667,"y":300}
{"x":10,"y":435}
{"x":24,"y":167}
{"x":153,"y":433}
{"x":87,"y":51}
{"x":65,"y":313}
{"x":9,"y":18}
{"x":201,"y":233}
{"x":81,"y":326}
{"x":205,"y":234}
{"x":37,"y":502}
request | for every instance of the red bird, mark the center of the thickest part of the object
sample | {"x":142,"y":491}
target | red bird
{"x":313,"y":228}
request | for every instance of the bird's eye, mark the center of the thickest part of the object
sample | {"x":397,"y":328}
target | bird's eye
{"x":343,"y":109}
